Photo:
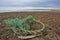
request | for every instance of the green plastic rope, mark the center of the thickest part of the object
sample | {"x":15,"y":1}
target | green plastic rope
{"x":19,"y":25}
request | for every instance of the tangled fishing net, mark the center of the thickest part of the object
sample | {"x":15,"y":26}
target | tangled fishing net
{"x":22,"y":25}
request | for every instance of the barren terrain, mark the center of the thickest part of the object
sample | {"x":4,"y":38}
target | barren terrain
{"x":50,"y":19}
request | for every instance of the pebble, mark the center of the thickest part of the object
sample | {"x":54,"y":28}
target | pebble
{"x":3,"y":16}
{"x":58,"y":32}
{"x":0,"y":23}
{"x":0,"y":16}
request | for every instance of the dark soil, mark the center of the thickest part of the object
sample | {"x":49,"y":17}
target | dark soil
{"x":50,"y":19}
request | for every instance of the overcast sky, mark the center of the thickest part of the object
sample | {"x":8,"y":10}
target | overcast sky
{"x":18,"y":5}
{"x":31,"y":3}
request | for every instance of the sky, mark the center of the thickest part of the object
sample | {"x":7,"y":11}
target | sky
{"x":16,"y":5}
{"x":30,"y":3}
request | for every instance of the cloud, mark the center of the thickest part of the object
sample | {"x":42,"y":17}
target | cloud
{"x":19,"y":2}
{"x":33,"y":3}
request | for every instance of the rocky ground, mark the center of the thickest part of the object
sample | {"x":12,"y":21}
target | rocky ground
{"x":50,"y":19}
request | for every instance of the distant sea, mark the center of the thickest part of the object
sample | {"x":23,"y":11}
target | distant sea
{"x":20,"y":9}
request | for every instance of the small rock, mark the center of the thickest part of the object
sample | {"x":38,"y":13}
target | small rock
{"x":3,"y":16}
{"x":58,"y":32}
{"x":0,"y":16}
{"x":7,"y":36}
{"x":0,"y":23}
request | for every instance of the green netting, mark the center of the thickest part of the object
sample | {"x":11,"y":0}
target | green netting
{"x":20,"y":25}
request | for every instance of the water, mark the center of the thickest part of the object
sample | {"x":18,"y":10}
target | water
{"x":20,"y":9}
